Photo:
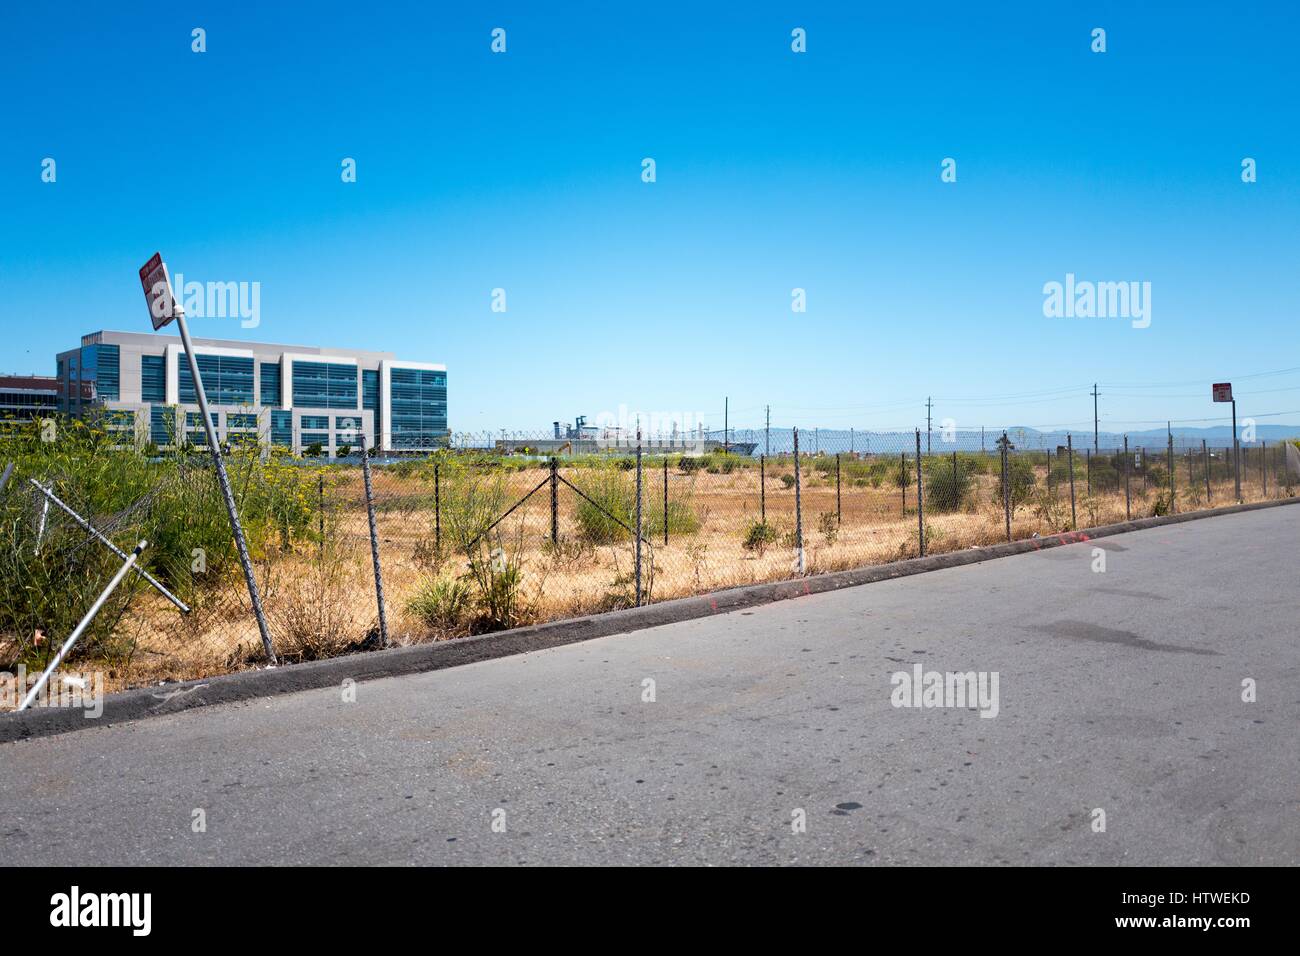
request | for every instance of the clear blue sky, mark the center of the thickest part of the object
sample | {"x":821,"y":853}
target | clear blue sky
{"x":775,"y":170}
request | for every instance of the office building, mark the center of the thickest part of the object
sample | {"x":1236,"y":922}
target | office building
{"x":293,"y":396}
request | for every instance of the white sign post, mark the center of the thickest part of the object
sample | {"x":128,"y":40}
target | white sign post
{"x":163,"y":307}
{"x":1222,"y":392}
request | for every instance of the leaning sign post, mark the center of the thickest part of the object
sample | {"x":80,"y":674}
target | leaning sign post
{"x":163,"y":308}
{"x":1222,"y":392}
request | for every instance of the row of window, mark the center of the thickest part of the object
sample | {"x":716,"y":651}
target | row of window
{"x":162,"y":427}
{"x":418,"y":407}
{"x":228,"y":379}
{"x":419,"y":396}
{"x":324,"y":385}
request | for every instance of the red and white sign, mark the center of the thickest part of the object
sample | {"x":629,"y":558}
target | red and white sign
{"x":1222,"y":391}
{"x":158,"y":291}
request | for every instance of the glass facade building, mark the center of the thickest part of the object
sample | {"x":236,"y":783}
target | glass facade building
{"x":285,"y":396}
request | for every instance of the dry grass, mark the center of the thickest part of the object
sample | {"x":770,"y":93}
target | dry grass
{"x":321,"y":602}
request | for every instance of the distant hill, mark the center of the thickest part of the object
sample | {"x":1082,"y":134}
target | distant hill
{"x":833,"y":440}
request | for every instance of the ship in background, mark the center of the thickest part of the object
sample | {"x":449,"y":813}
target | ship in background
{"x":581,"y":438}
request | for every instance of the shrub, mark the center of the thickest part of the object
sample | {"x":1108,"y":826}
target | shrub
{"x":472,"y":498}
{"x":442,"y":603}
{"x":498,"y":572}
{"x":1060,"y":473}
{"x":614,"y":494}
{"x":1021,"y":482}
{"x":758,"y":536}
{"x":721,"y":464}
{"x":948,"y":486}
{"x":310,"y":618}
{"x":787,"y":481}
{"x":1104,"y":476}
{"x":610,"y":494}
{"x":829,"y":526}
{"x":688,"y":465}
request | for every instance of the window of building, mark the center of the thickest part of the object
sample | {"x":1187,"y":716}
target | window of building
{"x":162,"y":425}
{"x":119,"y":419}
{"x":282,"y":428}
{"x":324,"y":385}
{"x":153,"y":378}
{"x":227,"y":379}
{"x":195,"y":420}
{"x":418,"y":408}
{"x":108,"y":371}
{"x":316,"y":422}
{"x":270,"y":386}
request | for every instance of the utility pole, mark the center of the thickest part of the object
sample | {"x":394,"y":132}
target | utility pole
{"x":1096,"y":449}
{"x":767,"y":433}
{"x":928,"y":405}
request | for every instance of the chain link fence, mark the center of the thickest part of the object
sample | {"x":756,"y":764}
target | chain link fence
{"x":474,"y":540}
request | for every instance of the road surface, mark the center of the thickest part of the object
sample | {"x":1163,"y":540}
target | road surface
{"x":1119,"y":691}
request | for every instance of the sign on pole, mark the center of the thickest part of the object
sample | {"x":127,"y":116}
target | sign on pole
{"x":158,"y":291}
{"x":162,"y":308}
{"x":1222,"y":391}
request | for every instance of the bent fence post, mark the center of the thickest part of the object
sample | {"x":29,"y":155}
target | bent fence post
{"x":82,"y":625}
{"x":45,"y":515}
{"x":95,"y":533}
{"x":223,"y":479}
{"x":374,"y":544}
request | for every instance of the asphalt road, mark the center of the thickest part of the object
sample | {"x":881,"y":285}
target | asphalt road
{"x":1118,"y":691}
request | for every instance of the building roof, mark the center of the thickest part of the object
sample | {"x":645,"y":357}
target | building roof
{"x":34,"y":383}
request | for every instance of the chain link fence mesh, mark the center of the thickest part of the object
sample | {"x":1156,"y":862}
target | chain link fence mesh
{"x":475,"y":540}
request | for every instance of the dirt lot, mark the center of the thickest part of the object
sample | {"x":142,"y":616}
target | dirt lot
{"x":320,"y":599}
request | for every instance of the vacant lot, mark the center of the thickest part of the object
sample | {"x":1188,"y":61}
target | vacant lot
{"x":452,"y":568}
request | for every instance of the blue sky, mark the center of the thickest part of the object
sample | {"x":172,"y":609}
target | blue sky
{"x":775,"y":170}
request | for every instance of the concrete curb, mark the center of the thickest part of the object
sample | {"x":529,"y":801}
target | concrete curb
{"x":247,"y":685}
